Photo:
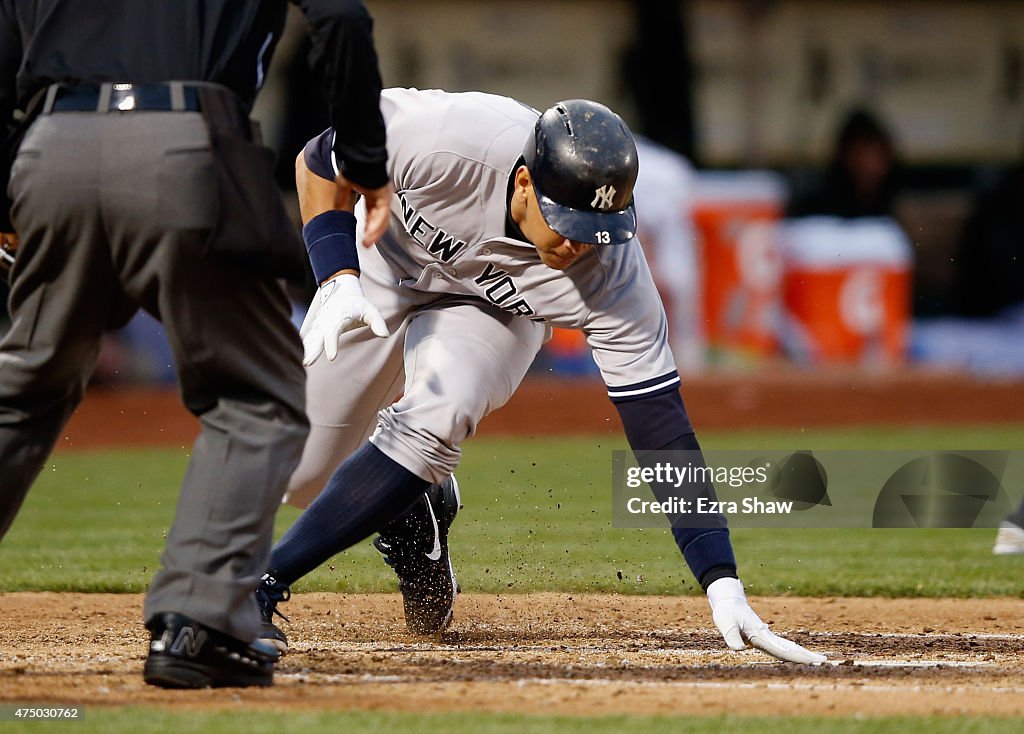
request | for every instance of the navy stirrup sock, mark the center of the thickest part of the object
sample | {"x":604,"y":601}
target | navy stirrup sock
{"x":366,"y":492}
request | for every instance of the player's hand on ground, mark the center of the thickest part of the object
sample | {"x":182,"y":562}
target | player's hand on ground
{"x":740,"y":625}
{"x":342,"y":307}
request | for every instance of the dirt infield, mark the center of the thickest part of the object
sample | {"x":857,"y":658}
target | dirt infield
{"x":559,"y":653}
{"x":550,"y":653}
{"x":788,"y":398}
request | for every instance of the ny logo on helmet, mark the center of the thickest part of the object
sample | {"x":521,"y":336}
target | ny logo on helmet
{"x":603,"y":197}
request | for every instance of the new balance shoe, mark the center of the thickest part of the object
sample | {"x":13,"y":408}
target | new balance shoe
{"x":416,"y":547}
{"x":184,"y":653}
{"x":1009,"y":539}
{"x":269,"y":593}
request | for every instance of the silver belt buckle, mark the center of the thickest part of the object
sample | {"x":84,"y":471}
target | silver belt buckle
{"x":122,"y":98}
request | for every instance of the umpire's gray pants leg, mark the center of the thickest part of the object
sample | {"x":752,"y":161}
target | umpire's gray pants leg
{"x":113,"y":212}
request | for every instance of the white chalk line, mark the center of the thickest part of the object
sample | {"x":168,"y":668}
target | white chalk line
{"x":633,"y":648}
{"x":1009,"y":637}
{"x":350,"y":678}
{"x":638,"y":646}
{"x":911,"y":663}
{"x":796,"y":686}
{"x":693,"y":653}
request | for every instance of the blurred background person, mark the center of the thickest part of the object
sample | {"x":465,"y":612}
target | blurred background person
{"x":989,"y":291}
{"x":990,"y":254}
{"x":982,"y":334}
{"x":664,"y":194}
{"x":848,"y":260}
{"x":862,"y":178}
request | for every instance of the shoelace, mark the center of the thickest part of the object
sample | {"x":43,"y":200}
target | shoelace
{"x":386,"y":549}
{"x":270,"y":595}
{"x":399,"y":558}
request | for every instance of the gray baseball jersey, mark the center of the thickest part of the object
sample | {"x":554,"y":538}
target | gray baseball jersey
{"x":451,"y":156}
{"x":469,"y":302}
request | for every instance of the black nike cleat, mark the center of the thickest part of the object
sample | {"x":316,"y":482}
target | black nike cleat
{"x":184,"y":653}
{"x":268,"y":594}
{"x":416,"y":547}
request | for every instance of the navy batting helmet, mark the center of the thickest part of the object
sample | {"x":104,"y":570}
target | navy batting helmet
{"x":583,"y":163}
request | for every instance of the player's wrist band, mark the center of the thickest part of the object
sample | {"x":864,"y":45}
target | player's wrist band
{"x":331,"y":243}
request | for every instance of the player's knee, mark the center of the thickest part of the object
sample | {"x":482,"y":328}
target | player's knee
{"x":428,"y":448}
{"x":449,"y":420}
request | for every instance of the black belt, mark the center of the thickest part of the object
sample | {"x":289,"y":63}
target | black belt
{"x":167,"y":96}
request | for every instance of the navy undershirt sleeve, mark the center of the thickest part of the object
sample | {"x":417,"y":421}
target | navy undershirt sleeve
{"x":659,"y":422}
{"x":319,"y":155}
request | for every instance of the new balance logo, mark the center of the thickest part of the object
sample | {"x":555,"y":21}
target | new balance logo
{"x":603,"y":197}
{"x":189,"y":642}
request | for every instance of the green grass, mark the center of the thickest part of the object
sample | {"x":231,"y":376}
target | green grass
{"x":537,"y":517}
{"x":142,"y":721}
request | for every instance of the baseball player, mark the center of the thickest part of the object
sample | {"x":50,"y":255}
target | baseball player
{"x":506,"y":222}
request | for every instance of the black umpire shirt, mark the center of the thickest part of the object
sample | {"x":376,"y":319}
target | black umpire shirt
{"x":229,"y":42}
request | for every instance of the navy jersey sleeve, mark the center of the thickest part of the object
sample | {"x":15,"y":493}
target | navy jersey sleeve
{"x":657,"y":421}
{"x":319,"y":155}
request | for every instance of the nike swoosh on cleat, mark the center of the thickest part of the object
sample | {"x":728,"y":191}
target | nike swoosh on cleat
{"x":435,"y":554}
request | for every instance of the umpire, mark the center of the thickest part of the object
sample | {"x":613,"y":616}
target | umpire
{"x":137,"y":180}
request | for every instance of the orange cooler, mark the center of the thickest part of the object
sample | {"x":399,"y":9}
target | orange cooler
{"x":736,"y":216}
{"x":847,"y":288}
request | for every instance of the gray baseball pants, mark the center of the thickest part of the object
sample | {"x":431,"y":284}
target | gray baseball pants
{"x":452,"y":359}
{"x":113,"y":211}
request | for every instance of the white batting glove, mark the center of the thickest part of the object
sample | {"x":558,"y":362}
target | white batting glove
{"x":342,"y":307}
{"x":739,"y":625}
